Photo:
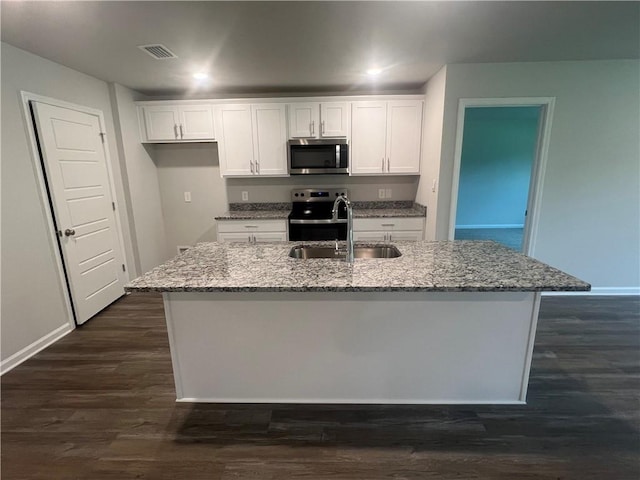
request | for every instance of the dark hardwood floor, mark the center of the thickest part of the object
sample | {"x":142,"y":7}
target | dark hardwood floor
{"x":99,"y":404}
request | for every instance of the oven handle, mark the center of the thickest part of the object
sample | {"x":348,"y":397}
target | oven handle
{"x":324,"y":221}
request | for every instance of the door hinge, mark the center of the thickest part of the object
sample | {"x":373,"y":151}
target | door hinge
{"x":113,"y":205}
{"x":123,"y":268}
{"x":102,"y":134}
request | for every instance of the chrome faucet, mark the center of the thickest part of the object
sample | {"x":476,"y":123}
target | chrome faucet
{"x":334,"y":212}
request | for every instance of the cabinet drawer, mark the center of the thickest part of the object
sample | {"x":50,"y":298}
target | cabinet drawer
{"x":388,"y":224}
{"x":239,"y":226}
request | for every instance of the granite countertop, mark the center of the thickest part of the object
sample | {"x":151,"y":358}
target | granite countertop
{"x":458,"y":266}
{"x":278,"y":211}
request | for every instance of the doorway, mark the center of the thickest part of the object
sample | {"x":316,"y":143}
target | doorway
{"x":497,"y":177}
{"x":77,"y":184}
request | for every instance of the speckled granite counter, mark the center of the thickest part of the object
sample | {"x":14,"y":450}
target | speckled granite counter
{"x":460,"y":266}
{"x":278,"y":211}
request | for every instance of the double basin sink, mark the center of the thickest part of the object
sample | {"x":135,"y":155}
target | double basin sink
{"x":377,"y":251}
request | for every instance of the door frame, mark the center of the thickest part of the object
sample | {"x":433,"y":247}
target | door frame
{"x":538,"y":168}
{"x":36,"y":162}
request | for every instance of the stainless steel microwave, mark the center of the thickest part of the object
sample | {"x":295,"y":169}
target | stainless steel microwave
{"x":318,"y":156}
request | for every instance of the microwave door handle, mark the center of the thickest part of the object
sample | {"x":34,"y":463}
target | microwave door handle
{"x":337,"y":156}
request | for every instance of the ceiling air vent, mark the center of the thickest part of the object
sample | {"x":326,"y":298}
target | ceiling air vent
{"x":159,"y":52}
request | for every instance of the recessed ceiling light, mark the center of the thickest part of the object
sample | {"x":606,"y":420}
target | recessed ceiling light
{"x":374,"y":71}
{"x":200,"y":76}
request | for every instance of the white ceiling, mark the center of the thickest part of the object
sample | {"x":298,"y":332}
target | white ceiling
{"x":311,"y":46}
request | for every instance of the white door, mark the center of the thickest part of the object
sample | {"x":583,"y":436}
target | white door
{"x":303,"y":120}
{"x":235,"y":140}
{"x":270,"y":138}
{"x":161,"y":122}
{"x":404,"y":131}
{"x":334,"y":119}
{"x":196,"y":122}
{"x":368,"y":137}
{"x":75,"y":163}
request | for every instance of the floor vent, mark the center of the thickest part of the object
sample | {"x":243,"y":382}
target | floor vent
{"x":157,"y":51}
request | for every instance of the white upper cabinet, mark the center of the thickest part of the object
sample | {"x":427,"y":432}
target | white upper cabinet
{"x":319,"y":120}
{"x":269,"y":123}
{"x":368,"y":149}
{"x":252,"y":140}
{"x":177,"y":123}
{"x":386,"y":137}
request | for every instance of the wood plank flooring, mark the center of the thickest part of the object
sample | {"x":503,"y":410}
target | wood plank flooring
{"x":99,"y":404}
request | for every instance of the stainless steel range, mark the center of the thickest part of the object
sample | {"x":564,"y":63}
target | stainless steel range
{"x":311,"y":217}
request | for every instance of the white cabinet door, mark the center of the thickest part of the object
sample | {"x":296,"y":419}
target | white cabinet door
{"x":303,"y":120}
{"x":241,"y":237}
{"x":369,"y":236}
{"x":334,"y":119}
{"x":161,"y":122}
{"x":404,"y":131}
{"x":269,"y":138}
{"x":368,"y":137}
{"x":265,"y":237}
{"x":196,"y":122}
{"x":235,"y":140}
{"x":409,"y":236}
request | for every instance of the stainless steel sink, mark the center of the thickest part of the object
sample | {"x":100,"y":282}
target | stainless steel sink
{"x":377,"y":251}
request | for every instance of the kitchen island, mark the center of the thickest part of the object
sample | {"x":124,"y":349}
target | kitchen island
{"x":446,"y":322}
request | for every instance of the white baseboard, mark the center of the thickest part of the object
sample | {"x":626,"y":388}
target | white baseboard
{"x":595,"y":291}
{"x":503,"y":225}
{"x":37,"y":346}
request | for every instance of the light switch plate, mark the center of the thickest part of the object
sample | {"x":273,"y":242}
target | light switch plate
{"x":381,"y":193}
{"x":187,"y":197}
{"x":388,"y":193}
{"x":245,"y":196}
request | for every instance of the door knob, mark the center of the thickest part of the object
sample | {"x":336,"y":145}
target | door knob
{"x":69,"y":232}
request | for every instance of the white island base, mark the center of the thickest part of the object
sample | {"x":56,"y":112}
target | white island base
{"x":352,"y":347}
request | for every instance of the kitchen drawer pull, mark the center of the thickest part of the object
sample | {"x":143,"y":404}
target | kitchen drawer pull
{"x":250,"y":226}
{"x":251,"y":163}
{"x":181,"y":132}
{"x":383,"y":164}
{"x":322,"y":127}
{"x":175,"y":130}
{"x":388,"y":224}
{"x":388,"y":165}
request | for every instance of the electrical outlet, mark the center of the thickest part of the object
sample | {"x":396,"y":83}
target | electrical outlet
{"x":388,"y":193}
{"x":245,"y":196}
{"x":381,"y":193}
{"x":187,"y":197}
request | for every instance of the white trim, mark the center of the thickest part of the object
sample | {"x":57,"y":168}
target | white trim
{"x":366,"y":401}
{"x":42,"y":188}
{"x":505,"y":225}
{"x":37,"y":346}
{"x":539,"y":164}
{"x":598,"y":291}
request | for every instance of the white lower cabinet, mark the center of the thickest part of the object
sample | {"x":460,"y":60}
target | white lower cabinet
{"x":391,"y":229}
{"x":252,"y":231}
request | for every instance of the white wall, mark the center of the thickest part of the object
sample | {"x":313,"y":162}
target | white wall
{"x":431,"y":149}
{"x":148,"y":230}
{"x":194,"y":168}
{"x":33,"y":305}
{"x":589,"y":217}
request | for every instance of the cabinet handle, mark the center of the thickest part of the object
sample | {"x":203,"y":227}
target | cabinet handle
{"x":322,"y":127}
{"x":251,"y":163}
{"x":388,"y":224}
{"x":383,"y":164}
{"x":249,"y":237}
{"x":175,"y":130}
{"x":250,"y":226}
{"x":257,"y":167}
{"x":181,"y":133}
{"x":388,"y":165}
{"x":390,"y":237}
{"x":313,"y":127}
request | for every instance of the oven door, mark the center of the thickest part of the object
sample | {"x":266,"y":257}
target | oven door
{"x":317,"y":157}
{"x":317,"y":230}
